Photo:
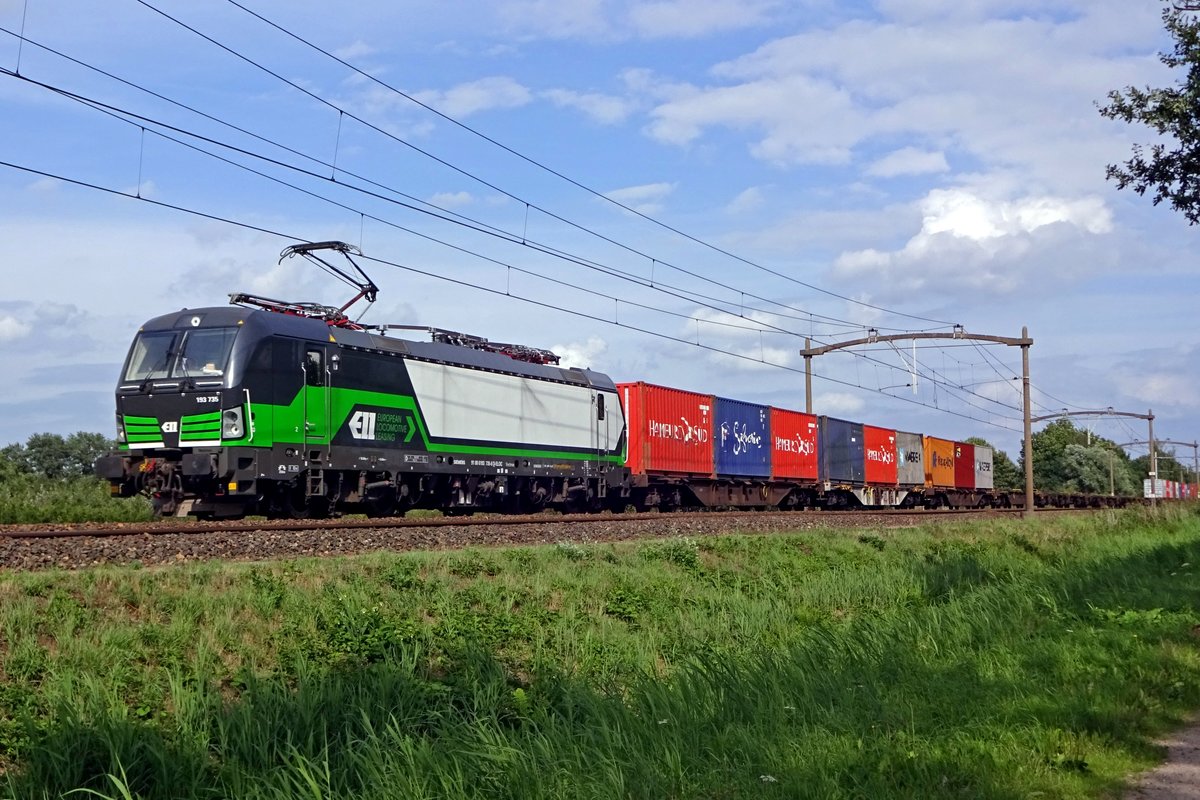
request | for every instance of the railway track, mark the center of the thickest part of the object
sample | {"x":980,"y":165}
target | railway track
{"x":49,"y":531}
{"x":164,"y":543}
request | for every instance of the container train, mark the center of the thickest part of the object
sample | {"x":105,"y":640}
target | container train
{"x":292,"y":409}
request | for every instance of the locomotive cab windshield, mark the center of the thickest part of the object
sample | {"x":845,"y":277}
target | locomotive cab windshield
{"x":195,"y":353}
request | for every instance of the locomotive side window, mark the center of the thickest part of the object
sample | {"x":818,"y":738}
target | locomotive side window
{"x":314,"y":367}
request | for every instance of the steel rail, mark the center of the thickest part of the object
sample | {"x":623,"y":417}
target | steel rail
{"x":160,"y":529}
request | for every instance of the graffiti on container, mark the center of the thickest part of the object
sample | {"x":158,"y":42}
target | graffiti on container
{"x":797,"y":445}
{"x":682,"y":431}
{"x":743,"y":438}
{"x":881,"y":455}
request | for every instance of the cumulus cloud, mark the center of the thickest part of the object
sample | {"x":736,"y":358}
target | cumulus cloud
{"x":452,"y":199}
{"x":694,"y":18}
{"x":556,"y":19}
{"x":603,"y":108}
{"x":476,"y":96}
{"x":747,"y":200}
{"x":146,"y":188}
{"x":582,"y":355}
{"x":781,"y":109}
{"x":646,"y":198}
{"x":968,"y":240}
{"x":354,"y":50}
{"x":12,"y":329}
{"x":909,"y":161}
{"x":817,"y":97}
{"x":1164,"y":378}
{"x":838,"y":404}
{"x":44,"y":185}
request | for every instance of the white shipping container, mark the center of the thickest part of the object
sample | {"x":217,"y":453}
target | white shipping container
{"x":1159,"y":489}
{"x":984,"y":479}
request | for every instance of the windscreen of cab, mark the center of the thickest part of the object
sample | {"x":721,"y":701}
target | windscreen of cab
{"x":192,"y":353}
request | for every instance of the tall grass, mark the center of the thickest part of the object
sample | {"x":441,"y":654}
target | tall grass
{"x":994,"y":660}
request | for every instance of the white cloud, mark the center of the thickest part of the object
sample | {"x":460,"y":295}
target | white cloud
{"x":12,"y":329}
{"x":784,"y":110}
{"x":645,"y":199}
{"x":147,"y":188}
{"x":583,"y":355}
{"x":838,"y":404}
{"x":476,"y":96}
{"x":748,"y":200}
{"x":603,"y":108}
{"x":817,"y":96}
{"x":969,"y":241}
{"x":694,"y":18}
{"x":909,"y":161}
{"x":452,"y":199}
{"x":44,"y":185}
{"x":556,"y":19}
{"x":355,"y":50}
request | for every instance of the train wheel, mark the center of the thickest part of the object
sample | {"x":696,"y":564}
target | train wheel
{"x":381,"y":505}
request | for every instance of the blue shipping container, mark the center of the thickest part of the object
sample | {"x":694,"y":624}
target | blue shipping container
{"x":742,"y":439}
{"x":842,"y":452}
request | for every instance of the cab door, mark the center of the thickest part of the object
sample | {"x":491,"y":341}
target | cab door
{"x":316,"y":394}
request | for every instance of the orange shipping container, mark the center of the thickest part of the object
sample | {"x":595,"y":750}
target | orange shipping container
{"x":939,"y":462}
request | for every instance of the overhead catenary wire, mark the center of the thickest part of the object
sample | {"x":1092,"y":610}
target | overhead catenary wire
{"x":707,"y":321}
{"x":494,"y":187}
{"x":932,"y":375}
{"x":414,"y":204}
{"x":457,"y":281}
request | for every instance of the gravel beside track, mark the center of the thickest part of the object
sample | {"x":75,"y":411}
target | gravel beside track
{"x":175,"y":542}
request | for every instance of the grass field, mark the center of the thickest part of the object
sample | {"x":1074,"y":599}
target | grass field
{"x":984,"y":660}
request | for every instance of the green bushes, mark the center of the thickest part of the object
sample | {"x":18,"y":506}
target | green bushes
{"x":49,"y":479}
{"x":28,"y":498}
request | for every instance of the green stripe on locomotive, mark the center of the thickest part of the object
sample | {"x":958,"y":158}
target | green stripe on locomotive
{"x":275,"y":424}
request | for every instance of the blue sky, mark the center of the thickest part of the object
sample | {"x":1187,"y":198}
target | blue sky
{"x":922,"y":162}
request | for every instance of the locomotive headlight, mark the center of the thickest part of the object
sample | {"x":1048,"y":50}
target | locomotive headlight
{"x":120,"y":430}
{"x":231,"y":424}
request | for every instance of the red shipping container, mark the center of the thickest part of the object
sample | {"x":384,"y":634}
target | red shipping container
{"x":880,"y":456}
{"x":793,"y":445}
{"x":670,"y":430}
{"x":964,"y":466}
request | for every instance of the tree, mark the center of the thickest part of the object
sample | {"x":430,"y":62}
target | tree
{"x":1171,"y":168}
{"x":1051,"y":470}
{"x":49,"y":455}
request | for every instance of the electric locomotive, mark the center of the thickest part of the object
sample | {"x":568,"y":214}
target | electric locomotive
{"x":283,"y":408}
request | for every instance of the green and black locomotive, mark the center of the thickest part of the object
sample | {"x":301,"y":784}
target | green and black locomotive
{"x":292,"y":409}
